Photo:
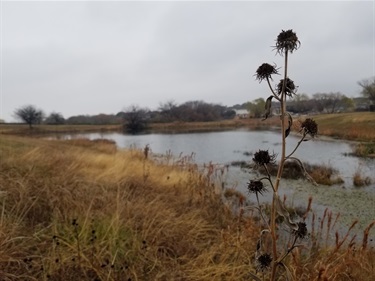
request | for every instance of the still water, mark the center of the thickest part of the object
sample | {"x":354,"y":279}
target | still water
{"x":227,"y":146}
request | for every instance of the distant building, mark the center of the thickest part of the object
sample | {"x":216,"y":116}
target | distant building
{"x":361,"y":104}
{"x":241,"y":113}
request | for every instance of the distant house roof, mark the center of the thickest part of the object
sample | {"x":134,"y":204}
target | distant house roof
{"x":241,"y":112}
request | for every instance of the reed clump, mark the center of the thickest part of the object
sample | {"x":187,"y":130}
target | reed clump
{"x":359,"y":180}
{"x":365,"y":149}
{"x":321,"y":174}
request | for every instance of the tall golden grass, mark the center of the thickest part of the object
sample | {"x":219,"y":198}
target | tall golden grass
{"x":83,"y":210}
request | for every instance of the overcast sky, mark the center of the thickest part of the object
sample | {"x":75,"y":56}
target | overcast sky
{"x":101,"y":57}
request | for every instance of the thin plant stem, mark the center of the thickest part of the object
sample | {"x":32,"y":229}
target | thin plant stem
{"x":298,"y":144}
{"x":279,"y":172}
{"x":268,"y":177}
{"x":273,"y":92}
{"x":260,"y":211}
{"x":288,"y":251}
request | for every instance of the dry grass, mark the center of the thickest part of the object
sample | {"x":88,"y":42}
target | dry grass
{"x":365,"y":150}
{"x":353,"y":126}
{"x":324,"y":174}
{"x":321,"y":174}
{"x":359,"y":180}
{"x":251,"y":123}
{"x":135,"y":218}
{"x":23,"y":129}
{"x":82,"y":210}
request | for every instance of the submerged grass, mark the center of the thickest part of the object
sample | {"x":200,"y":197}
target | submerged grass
{"x":321,"y":174}
{"x":359,"y":180}
{"x":83,"y":210}
{"x":365,"y":149}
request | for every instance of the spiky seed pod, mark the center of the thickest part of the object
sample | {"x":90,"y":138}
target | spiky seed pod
{"x":301,"y":231}
{"x":262,"y":157}
{"x":290,"y":88}
{"x":256,"y":187}
{"x":264,"y":262}
{"x":265,"y":71}
{"x":287,"y":41}
{"x":310,"y":127}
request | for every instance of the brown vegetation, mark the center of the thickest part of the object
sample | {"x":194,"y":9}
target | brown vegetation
{"x":359,"y":180}
{"x":23,"y":129}
{"x":82,"y":210}
{"x":364,"y":150}
{"x":352,"y":126}
{"x":321,"y":174}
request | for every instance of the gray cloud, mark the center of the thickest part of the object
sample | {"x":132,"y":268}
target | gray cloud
{"x":99,"y":57}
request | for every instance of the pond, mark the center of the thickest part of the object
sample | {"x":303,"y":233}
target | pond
{"x":224,"y":147}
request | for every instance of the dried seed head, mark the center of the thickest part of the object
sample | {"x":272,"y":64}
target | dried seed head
{"x":265,"y":71}
{"x":262,"y":157}
{"x":301,"y":231}
{"x":264,"y":262}
{"x":310,"y":127}
{"x":287,"y":41}
{"x":290,"y":88}
{"x":256,"y":187}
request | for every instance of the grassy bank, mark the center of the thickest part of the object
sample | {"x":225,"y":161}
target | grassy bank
{"x":23,"y":129}
{"x":216,"y":125}
{"x":83,"y":210}
{"x":351,"y":126}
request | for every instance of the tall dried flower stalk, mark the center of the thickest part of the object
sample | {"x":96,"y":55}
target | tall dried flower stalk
{"x":286,"y":43}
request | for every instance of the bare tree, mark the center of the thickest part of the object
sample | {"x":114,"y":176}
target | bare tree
{"x":168,"y":110}
{"x":135,"y":119}
{"x":55,"y":119}
{"x":328,"y":102}
{"x":29,"y":114}
{"x":368,"y":88}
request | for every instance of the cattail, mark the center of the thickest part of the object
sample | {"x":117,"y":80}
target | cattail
{"x":365,"y":235}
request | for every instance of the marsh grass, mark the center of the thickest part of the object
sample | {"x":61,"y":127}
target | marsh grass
{"x":364,"y":150}
{"x":359,"y":180}
{"x":321,"y":174}
{"x":84,"y":210}
{"x":56,"y":196}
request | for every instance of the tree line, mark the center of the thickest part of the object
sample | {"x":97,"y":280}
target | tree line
{"x":170,"y":111}
{"x":319,"y":103}
{"x":136,"y":118}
